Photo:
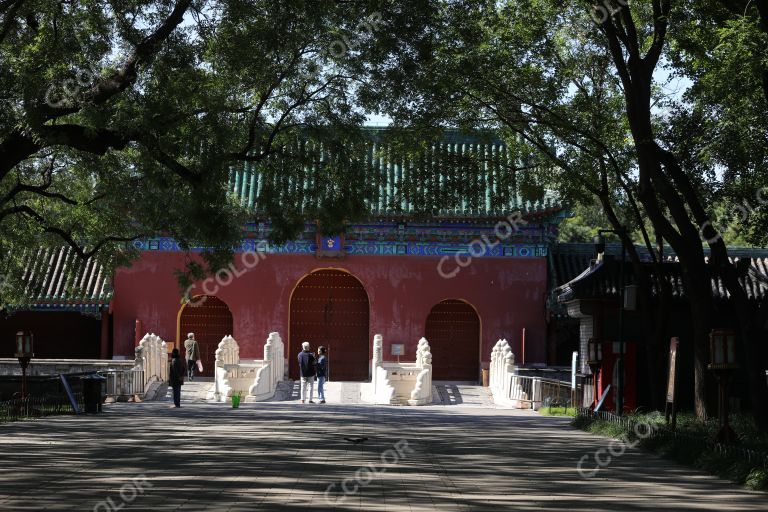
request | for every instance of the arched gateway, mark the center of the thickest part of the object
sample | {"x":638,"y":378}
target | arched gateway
{"x":210,"y":319}
{"x":330,"y":307}
{"x":453,"y":331}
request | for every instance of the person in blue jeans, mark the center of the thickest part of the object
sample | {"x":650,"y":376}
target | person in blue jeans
{"x":322,"y":372}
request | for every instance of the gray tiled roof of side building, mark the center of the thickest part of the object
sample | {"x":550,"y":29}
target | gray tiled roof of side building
{"x":57,"y":278}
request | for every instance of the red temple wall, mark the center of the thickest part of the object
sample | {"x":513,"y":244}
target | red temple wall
{"x":507,"y":293}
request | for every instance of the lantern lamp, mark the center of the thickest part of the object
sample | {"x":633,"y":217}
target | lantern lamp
{"x":722,"y":349}
{"x":24,"y":344}
{"x":595,"y":349}
{"x":599,"y":242}
{"x":722,"y":354}
{"x":595,"y":362}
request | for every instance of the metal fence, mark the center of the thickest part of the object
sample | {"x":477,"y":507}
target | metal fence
{"x":37,"y":406}
{"x":562,"y":373}
{"x":124,"y":383}
{"x":754,"y":457}
{"x":536,"y":392}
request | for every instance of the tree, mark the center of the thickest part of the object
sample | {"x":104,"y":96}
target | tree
{"x":577,"y":85}
{"x":636,"y":50}
{"x":123,"y":122}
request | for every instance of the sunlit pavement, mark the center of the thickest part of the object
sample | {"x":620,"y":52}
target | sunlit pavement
{"x":288,"y":456}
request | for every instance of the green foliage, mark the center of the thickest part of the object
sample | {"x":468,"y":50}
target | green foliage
{"x":536,"y":72}
{"x":690,"y":447}
{"x":721,"y":129}
{"x":557,"y":411}
{"x":124,"y":122}
{"x":583,"y":224}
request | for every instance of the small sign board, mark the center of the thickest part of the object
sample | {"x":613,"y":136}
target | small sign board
{"x":329,"y":246}
{"x":670,"y":409}
{"x":398,"y":349}
{"x":673,"y":343}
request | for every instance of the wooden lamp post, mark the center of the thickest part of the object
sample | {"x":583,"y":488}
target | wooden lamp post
{"x":722,"y":353}
{"x":24,"y":345}
{"x":595,"y":361}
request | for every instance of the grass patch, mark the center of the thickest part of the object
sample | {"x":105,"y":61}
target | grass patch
{"x":558,"y":411}
{"x":690,"y":447}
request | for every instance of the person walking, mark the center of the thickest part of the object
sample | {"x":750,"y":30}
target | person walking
{"x":193,"y":354}
{"x":322,"y":372}
{"x":176,"y":376}
{"x":307,"y":370}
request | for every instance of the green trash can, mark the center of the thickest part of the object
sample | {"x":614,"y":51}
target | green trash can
{"x":235,"y":401}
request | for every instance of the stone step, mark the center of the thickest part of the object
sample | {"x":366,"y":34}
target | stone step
{"x":462,"y":394}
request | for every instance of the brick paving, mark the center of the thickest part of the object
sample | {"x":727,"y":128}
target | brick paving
{"x":288,"y":456}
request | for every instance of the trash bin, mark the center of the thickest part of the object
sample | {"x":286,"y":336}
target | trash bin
{"x":93,"y":392}
{"x":485,"y":377}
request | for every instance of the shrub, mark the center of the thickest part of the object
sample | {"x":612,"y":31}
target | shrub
{"x":691,"y":445}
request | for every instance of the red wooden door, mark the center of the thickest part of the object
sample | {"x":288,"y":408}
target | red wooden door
{"x":210,"y":320}
{"x":453,"y":333}
{"x":330,"y":308}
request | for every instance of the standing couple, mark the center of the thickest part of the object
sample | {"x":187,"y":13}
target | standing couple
{"x":311,"y":367}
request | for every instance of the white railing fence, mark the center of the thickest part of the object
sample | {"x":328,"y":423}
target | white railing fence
{"x":512,"y":389}
{"x":502,"y":371}
{"x":255,"y":378}
{"x":399,"y":383}
{"x":152,"y":360}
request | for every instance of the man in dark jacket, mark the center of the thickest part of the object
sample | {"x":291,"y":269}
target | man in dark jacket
{"x":307,"y":372}
{"x":176,"y":376}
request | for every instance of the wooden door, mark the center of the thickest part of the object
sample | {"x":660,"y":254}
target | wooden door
{"x":330,"y":308}
{"x":210,"y":319}
{"x":453,"y":333}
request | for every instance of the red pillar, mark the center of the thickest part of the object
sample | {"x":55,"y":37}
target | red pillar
{"x":104,"y":335}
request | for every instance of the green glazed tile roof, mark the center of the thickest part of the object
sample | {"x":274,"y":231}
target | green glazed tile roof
{"x":480,"y":167}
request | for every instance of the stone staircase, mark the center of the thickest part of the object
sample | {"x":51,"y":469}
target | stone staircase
{"x":192,"y":391}
{"x":466,"y":395}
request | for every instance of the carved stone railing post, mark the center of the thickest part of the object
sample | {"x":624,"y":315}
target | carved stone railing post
{"x":228,"y":352}
{"x":276,"y":358}
{"x":493,"y":368}
{"x":152,"y":356}
{"x":508,"y":367}
{"x":377,"y":361}
{"x":422,"y":390}
{"x":503,"y":382}
{"x":163,"y":359}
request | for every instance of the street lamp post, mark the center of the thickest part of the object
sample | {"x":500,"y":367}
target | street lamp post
{"x":600,"y":246}
{"x":24,"y":342}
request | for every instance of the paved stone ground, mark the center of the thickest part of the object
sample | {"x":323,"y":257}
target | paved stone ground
{"x":286,"y":456}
